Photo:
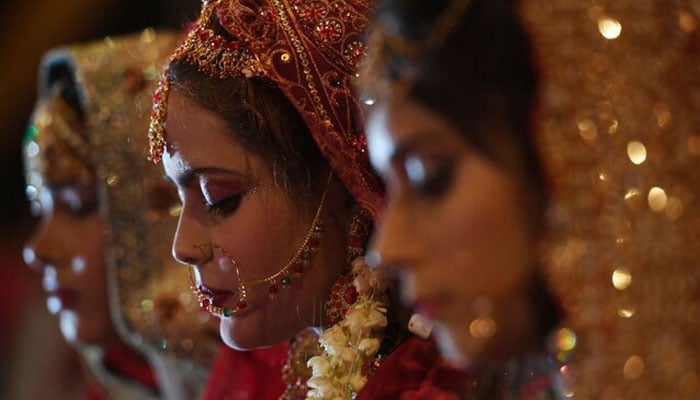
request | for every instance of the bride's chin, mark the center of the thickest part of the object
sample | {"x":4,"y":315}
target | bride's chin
{"x":226,"y":331}
{"x":247,"y":334}
{"x":240,"y":337}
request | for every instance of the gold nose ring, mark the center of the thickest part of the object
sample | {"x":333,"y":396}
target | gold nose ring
{"x":205,"y":249}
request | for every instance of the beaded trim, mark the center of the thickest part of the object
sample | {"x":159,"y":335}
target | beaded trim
{"x":213,"y":55}
{"x":343,"y":292}
{"x":344,"y":296}
{"x":156,"y":128}
{"x":301,"y":53}
{"x":61,"y":120}
{"x":54,"y":126}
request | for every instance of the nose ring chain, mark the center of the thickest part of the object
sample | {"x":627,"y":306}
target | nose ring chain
{"x":282,"y":279}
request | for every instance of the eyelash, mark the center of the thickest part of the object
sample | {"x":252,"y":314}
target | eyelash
{"x":225,"y":206}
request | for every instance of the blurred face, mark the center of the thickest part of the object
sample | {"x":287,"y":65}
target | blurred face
{"x":456,"y":229}
{"x":238,"y":226}
{"x":68,"y":246}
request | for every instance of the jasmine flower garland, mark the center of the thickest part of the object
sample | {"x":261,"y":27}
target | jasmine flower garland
{"x":353,"y":343}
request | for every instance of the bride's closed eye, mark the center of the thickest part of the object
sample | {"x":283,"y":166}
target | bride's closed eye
{"x":222,"y":196}
{"x":225,"y":206}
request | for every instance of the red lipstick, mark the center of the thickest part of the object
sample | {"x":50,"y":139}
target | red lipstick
{"x":216,"y":297}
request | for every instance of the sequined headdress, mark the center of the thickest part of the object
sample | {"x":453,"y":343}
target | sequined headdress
{"x":151,"y":303}
{"x":618,"y":130}
{"x":311,"y":51}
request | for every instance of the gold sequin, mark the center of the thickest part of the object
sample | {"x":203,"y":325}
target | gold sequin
{"x":621,"y":79}
{"x":139,"y":246}
{"x":610,"y":28}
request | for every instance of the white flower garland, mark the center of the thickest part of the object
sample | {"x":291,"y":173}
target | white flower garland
{"x":352,"y":342}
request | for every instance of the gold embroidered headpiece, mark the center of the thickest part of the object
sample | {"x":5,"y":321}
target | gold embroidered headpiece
{"x":151,"y":303}
{"x":55,"y":149}
{"x":311,"y":51}
{"x":618,"y":130}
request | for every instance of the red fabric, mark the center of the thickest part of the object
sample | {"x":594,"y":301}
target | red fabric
{"x":311,"y":51}
{"x":94,"y":392}
{"x":20,"y":287}
{"x":247,"y":375}
{"x":124,"y":361}
{"x":414,"y":371}
{"x":331,"y":35}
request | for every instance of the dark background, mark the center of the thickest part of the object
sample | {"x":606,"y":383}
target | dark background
{"x":28,"y":29}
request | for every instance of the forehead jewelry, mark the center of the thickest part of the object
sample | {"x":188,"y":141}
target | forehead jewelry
{"x":214,"y":55}
{"x":282,"y":279}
